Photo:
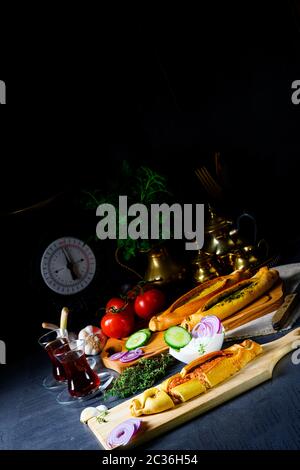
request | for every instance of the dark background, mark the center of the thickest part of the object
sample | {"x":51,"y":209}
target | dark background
{"x":88,"y":90}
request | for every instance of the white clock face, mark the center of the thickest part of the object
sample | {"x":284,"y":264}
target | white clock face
{"x":68,"y":266}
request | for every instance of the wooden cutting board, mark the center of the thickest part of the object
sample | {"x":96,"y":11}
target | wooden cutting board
{"x":256,"y":372}
{"x":265,"y":304}
{"x":155,"y":346}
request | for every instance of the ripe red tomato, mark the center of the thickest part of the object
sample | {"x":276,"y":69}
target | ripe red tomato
{"x":118,"y":323}
{"x":149,"y":303}
{"x":117,"y":303}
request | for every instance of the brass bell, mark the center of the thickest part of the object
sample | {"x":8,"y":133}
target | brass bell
{"x":162,"y":269}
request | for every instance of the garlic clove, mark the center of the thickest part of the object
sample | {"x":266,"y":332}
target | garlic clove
{"x":101,"y":408}
{"x":88,"y":349}
{"x":88,"y":413}
{"x":89,"y":329}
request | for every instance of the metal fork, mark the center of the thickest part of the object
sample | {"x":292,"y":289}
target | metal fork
{"x":209,"y":183}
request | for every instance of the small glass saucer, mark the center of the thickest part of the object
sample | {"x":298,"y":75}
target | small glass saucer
{"x":106,"y":378}
{"x":49,"y":383}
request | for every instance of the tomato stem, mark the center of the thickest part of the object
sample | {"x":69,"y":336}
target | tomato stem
{"x":118,"y":310}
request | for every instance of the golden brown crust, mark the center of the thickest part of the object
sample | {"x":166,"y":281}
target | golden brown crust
{"x":165,"y":384}
{"x":238,"y":357}
{"x":187,"y":390}
{"x":231,"y":300}
{"x":190,"y":302}
{"x":196,"y":378}
{"x":200,"y":360}
{"x":150,"y":402}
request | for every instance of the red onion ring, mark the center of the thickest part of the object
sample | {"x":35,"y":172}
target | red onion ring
{"x":117,"y":356}
{"x":214,"y":322}
{"x":132,"y":355}
{"x":123,"y":433}
{"x":209,"y":326}
{"x":199,"y":330}
{"x":136,"y":422}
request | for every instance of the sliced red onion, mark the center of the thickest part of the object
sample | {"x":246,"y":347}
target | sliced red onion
{"x":214,"y":322}
{"x":220,"y":330}
{"x":196,"y":328}
{"x":199,"y":330}
{"x":117,"y":356}
{"x":132,"y":355}
{"x":208,"y":327}
{"x":136,"y":422}
{"x":123,"y":433}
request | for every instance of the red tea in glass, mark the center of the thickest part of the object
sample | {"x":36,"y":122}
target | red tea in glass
{"x":57,"y":368}
{"x":50,"y":342}
{"x":82,"y":380}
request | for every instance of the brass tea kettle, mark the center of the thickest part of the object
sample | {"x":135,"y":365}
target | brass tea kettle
{"x":248,"y":256}
{"x":224,"y":249}
{"x":221,"y":237}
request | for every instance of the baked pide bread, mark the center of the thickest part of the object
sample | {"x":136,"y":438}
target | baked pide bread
{"x":195,"y":378}
{"x":151,"y":401}
{"x":231,"y":300}
{"x":193,"y":300}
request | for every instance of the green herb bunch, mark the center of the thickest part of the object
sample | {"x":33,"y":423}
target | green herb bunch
{"x":137,"y":378}
{"x":143,"y":186}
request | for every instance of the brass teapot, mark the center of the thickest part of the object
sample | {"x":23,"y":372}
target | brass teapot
{"x":248,"y":256}
{"x":216,"y":233}
{"x":224,"y":250}
{"x":220,"y":235}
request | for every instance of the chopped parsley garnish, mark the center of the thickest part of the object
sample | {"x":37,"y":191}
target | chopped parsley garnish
{"x":201,"y":349}
{"x":236,"y":294}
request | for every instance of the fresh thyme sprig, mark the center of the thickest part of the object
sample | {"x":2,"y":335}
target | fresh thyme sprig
{"x":101,"y":418}
{"x":141,"y":376}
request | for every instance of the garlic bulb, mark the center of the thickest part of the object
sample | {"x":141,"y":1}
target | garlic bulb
{"x":88,"y":413}
{"x":91,"y":412}
{"x":101,"y":408}
{"x":94,"y":339}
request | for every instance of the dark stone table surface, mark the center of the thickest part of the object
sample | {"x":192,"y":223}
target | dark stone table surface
{"x":267,"y":417}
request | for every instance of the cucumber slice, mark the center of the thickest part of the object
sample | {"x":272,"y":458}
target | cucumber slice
{"x":177,"y":337}
{"x":138,"y":339}
{"x":147,"y":332}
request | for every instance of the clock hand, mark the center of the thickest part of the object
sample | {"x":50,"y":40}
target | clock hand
{"x":67,"y":256}
{"x":58,"y":270}
{"x":70,"y":264}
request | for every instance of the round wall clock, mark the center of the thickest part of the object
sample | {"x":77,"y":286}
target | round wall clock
{"x":68,"y":266}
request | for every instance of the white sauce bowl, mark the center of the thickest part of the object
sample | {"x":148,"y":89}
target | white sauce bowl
{"x":198,"y":347}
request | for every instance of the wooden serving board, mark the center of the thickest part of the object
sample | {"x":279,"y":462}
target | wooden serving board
{"x":155,"y":346}
{"x":256,"y":372}
{"x":265,"y":304}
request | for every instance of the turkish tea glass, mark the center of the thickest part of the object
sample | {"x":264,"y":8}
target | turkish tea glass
{"x":50,"y":342}
{"x":81,"y":379}
{"x":84,"y":383}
